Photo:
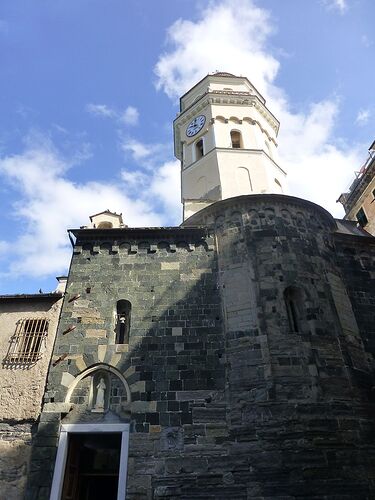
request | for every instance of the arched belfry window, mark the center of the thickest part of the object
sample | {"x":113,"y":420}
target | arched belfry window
{"x":293,"y":297}
{"x":199,"y":149}
{"x":236,"y":139}
{"x":123,"y":310}
{"x":105,"y":225}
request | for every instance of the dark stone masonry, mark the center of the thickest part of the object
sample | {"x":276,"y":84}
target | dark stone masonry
{"x":249,"y":368}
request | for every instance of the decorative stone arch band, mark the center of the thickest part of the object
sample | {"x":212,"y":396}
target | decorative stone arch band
{"x":95,"y":368}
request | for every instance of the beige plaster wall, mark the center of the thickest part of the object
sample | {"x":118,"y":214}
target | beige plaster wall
{"x":22,"y":387}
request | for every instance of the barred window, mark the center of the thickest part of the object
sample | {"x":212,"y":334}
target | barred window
{"x":28,"y":341}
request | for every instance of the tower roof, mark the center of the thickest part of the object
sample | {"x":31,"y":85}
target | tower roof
{"x":223,"y":73}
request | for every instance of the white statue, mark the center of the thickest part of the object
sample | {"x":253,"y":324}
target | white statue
{"x":99,"y":404}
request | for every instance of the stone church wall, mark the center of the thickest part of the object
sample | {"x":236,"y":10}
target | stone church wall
{"x":356,"y":258}
{"x":173,"y":363}
{"x":300,"y":404}
{"x":228,"y":394}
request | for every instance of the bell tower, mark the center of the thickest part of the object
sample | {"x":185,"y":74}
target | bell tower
{"x":225,"y":138}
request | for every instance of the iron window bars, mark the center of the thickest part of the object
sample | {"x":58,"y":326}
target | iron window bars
{"x":28,"y":340}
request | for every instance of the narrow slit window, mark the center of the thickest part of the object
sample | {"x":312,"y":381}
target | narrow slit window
{"x":28,"y":341}
{"x":199,"y":149}
{"x":123,"y":311}
{"x":236,"y":139}
{"x":293,"y":299}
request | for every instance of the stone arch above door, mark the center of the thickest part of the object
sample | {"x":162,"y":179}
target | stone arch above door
{"x":82,"y":389}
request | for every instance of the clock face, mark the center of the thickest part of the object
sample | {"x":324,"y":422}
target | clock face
{"x":195,"y":125}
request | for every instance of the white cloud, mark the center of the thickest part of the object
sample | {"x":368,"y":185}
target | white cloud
{"x":339,"y":5}
{"x":145,"y":155}
{"x":130,"y":115}
{"x":319,"y":164}
{"x":366,"y":41}
{"x":156,"y":179}
{"x":135,"y":179}
{"x":4,"y":248}
{"x":228,"y":37}
{"x":138,"y":150}
{"x":48,"y":203}
{"x":363,"y":116}
{"x":159,"y":187}
{"x":166,"y":185}
{"x":100,"y":110}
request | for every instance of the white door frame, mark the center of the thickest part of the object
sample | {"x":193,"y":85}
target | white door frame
{"x":62,"y":451}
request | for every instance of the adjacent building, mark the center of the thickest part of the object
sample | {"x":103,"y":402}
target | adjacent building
{"x":231,"y":357}
{"x":28,"y":326}
{"x":359,"y":201}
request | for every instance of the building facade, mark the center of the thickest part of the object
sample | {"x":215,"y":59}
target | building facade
{"x":359,"y":201}
{"x":28,"y":326}
{"x":230,"y":357}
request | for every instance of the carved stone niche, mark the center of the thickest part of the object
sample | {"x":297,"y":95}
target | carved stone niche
{"x":100,"y":391}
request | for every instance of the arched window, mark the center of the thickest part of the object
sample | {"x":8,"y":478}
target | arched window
{"x":199,"y":149}
{"x":236,"y":139}
{"x":105,"y":225}
{"x":123,"y":310}
{"x":293,"y":297}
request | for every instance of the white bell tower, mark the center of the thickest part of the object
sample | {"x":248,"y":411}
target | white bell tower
{"x":225,"y":138}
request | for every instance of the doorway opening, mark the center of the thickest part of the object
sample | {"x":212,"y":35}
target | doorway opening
{"x":92,"y":466}
{"x":91,"y":462}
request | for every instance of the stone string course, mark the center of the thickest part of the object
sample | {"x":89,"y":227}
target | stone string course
{"x":225,"y":400}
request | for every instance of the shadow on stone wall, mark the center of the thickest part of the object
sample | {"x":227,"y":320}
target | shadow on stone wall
{"x":175,"y":371}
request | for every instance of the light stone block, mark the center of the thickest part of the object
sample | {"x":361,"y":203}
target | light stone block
{"x":139,"y":386}
{"x":67,"y":379}
{"x":102,"y":349}
{"x":170,"y":266}
{"x":122,"y":348}
{"x":129,"y":371}
{"x":115,"y":359}
{"x":57,"y":407}
{"x":81,"y":365}
{"x":93,"y":332}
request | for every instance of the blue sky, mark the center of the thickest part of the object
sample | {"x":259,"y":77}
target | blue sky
{"x":89,"y":89}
